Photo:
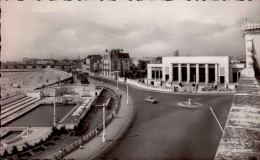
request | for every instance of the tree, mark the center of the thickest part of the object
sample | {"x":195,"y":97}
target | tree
{"x":14,"y":150}
{"x":72,"y":80}
{"x":5,"y":154}
{"x":26,"y":145}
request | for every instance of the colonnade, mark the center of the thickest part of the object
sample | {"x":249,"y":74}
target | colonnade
{"x":197,"y":78}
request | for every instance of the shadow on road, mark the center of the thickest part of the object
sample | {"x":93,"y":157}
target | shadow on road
{"x":125,"y":137}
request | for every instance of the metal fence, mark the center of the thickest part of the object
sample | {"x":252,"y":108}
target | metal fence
{"x":12,"y":97}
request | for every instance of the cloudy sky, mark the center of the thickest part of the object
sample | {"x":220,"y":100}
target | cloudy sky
{"x":149,"y":28}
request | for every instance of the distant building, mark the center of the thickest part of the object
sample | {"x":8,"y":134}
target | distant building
{"x":237,"y":59}
{"x":175,"y":53}
{"x":45,"y":61}
{"x":115,"y":63}
{"x":29,"y":61}
{"x":65,"y":62}
{"x":92,"y":63}
{"x":148,"y":59}
{"x":135,"y":62}
{"x":32,"y":63}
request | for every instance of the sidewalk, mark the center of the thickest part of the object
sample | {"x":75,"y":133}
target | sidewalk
{"x":142,"y":86}
{"x":116,"y":129}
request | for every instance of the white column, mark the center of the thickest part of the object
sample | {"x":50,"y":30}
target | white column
{"x":197,"y":73}
{"x":159,"y":75}
{"x":206,"y":73}
{"x":216,"y":73}
{"x":188,"y":73}
{"x":149,"y":73}
{"x":155,"y":73}
{"x":104,"y":125}
{"x":180,"y":74}
{"x":170,"y":73}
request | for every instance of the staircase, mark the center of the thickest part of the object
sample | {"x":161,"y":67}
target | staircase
{"x":17,"y":108}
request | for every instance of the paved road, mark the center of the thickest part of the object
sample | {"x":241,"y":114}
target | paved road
{"x":168,"y":131}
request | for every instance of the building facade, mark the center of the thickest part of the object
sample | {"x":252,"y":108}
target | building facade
{"x":115,"y":63}
{"x":194,"y":69}
{"x":92,"y":63}
{"x":251,"y":34}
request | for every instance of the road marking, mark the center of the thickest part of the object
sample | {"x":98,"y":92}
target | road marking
{"x":217,"y":120}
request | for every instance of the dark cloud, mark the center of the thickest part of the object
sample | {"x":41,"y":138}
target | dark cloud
{"x":149,"y":30}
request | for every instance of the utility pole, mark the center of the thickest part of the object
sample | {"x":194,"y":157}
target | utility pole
{"x":102,"y":82}
{"x":54,"y":110}
{"x":117,"y":84}
{"x":127,"y":102}
{"x":104,"y":124}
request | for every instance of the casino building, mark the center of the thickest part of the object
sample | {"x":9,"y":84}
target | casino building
{"x":194,"y":69}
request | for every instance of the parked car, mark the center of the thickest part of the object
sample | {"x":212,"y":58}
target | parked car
{"x":150,"y":99}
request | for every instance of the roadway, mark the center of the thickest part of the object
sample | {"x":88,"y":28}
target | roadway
{"x":168,"y":131}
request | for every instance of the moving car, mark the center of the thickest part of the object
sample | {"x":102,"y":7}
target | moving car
{"x":150,"y":99}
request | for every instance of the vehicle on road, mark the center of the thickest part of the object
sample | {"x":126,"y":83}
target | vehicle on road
{"x":150,"y":99}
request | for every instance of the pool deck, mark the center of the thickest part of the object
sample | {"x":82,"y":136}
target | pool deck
{"x":35,"y":136}
{"x":69,"y":118}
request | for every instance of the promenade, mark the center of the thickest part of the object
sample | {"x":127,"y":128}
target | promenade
{"x":116,"y":129}
{"x":163,"y":89}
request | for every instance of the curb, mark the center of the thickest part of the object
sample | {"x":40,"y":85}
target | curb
{"x":116,"y":133}
{"x":169,"y":92}
{"x":120,"y":133}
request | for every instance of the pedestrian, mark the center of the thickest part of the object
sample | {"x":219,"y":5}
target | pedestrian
{"x":227,"y":87}
{"x":114,"y":114}
{"x":96,"y":131}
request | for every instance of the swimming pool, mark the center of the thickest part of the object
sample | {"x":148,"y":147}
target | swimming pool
{"x":41,"y":116}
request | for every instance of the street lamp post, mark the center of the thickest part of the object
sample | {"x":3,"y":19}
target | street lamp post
{"x":194,"y":78}
{"x":104,"y":124}
{"x":117,"y":83}
{"x":41,"y":78}
{"x":102,"y":83}
{"x":127,"y":102}
{"x":58,"y":78}
{"x":54,"y":109}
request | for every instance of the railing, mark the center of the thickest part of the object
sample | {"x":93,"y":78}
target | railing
{"x":10,"y":95}
{"x":13,"y":98}
{"x":68,"y":149}
{"x":84,"y":85}
{"x":71,"y":125}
